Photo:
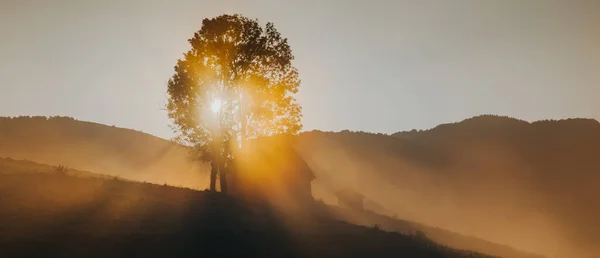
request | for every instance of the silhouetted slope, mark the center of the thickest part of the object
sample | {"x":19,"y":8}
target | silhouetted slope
{"x":529,"y":185}
{"x":497,"y":178}
{"x":439,"y":235}
{"x":401,"y":175}
{"x":28,"y":169}
{"x":12,"y":166}
{"x":552,"y":166}
{"x":47,"y":215}
{"x":99,"y":148}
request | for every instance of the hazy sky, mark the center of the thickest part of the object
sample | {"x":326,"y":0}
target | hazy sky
{"x":380,"y":66}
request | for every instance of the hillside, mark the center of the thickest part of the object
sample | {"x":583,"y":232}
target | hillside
{"x":99,"y":148}
{"x":48,"y":215}
{"x":500,"y":179}
{"x":549,"y":167}
{"x":22,"y":170}
{"x":12,"y":166}
{"x":448,"y":238}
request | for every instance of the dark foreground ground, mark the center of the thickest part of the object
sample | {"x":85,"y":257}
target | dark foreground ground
{"x":46,"y":215}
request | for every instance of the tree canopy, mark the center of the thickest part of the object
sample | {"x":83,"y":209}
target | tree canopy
{"x":237,"y":82}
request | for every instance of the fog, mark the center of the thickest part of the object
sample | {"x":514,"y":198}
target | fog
{"x":487,"y":192}
{"x":101,"y":149}
{"x":536,"y":195}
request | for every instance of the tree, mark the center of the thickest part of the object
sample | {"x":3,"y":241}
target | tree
{"x":236,"y":83}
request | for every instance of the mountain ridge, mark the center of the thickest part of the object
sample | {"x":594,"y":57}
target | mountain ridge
{"x":487,"y":169}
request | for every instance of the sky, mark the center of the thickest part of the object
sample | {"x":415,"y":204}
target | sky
{"x":378,"y":66}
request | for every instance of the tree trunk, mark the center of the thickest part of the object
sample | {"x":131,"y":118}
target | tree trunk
{"x":213,"y":177}
{"x":223,"y":178}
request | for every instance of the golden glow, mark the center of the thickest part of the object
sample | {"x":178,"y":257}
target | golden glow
{"x":215,"y":106}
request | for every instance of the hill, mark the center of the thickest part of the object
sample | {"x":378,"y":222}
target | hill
{"x":22,"y":170}
{"x":12,"y":166}
{"x":501,"y":179}
{"x":49,"y":215}
{"x":547,"y":170}
{"x":448,"y":238}
{"x":99,"y":148}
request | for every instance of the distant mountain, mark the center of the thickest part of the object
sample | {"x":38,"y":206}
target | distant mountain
{"x":100,"y":148}
{"x":551,"y":167}
{"x":499,"y":178}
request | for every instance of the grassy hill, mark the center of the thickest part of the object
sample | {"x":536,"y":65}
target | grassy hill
{"x":51,"y":215}
{"x":438,"y":235}
{"x":500,"y":179}
{"x":27,"y":185}
{"x":100,"y":148}
{"x":12,"y":166}
{"x":540,"y":171}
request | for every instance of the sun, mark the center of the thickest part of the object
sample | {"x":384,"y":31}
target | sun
{"x":215,"y":106}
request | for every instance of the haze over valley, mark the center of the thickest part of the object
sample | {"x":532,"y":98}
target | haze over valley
{"x":523,"y":188}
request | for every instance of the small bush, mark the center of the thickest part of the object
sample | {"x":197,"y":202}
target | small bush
{"x":60,"y":170}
